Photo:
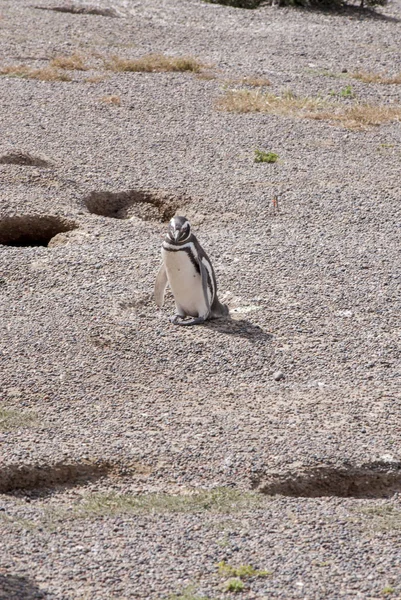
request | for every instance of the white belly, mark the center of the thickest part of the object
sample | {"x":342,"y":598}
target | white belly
{"x":185,"y":283}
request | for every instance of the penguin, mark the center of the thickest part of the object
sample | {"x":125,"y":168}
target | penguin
{"x":190,"y":274}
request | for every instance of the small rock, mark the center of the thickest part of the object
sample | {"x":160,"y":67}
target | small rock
{"x":278,"y":375}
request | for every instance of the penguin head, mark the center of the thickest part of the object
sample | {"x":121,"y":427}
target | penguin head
{"x":179,"y":229}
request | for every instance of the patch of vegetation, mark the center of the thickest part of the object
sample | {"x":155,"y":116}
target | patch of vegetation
{"x":153,"y":63}
{"x":347,"y":92}
{"x":14,"y":522}
{"x":383,"y":518}
{"x":234,"y":585}
{"x":241,"y":572}
{"x":244,"y":101}
{"x":187,"y":593}
{"x":265,"y":157}
{"x":113,"y":99}
{"x":13,"y":419}
{"x":219,"y":500}
{"x":370,"y":77}
{"x":74,"y":62}
{"x":44,"y":74}
{"x":355,"y":116}
{"x":387,"y":591}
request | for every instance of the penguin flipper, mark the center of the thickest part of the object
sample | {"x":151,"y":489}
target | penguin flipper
{"x":160,"y":286}
{"x":204,"y":276}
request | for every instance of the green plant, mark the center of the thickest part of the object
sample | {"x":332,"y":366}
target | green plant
{"x":265,"y":157}
{"x":234,"y":585}
{"x":386,"y":591}
{"x":187,"y":593}
{"x":241,"y":572}
{"x":347,"y":92}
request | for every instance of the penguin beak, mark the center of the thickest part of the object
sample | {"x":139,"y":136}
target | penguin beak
{"x":177,"y":234}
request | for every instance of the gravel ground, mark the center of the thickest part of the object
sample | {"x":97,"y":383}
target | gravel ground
{"x":136,"y":455}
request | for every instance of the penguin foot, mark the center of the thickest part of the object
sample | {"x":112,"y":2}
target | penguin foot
{"x":179,"y":320}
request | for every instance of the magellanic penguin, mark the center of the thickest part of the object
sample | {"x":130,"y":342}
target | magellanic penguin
{"x":190,"y":275}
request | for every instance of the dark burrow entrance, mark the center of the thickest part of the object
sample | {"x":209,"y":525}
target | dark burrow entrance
{"x":148,"y":205}
{"x":47,"y":477}
{"x":373,"y":480}
{"x":32,"y":230}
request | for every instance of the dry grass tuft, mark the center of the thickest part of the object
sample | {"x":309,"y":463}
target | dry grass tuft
{"x":75,"y":62}
{"x":357,"y":116}
{"x":244,"y":101}
{"x":361,"y":116}
{"x":370,"y":77}
{"x":25,"y":72}
{"x":113,"y":99}
{"x":154,"y":63}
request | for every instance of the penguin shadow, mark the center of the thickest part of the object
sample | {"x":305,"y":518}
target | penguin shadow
{"x":240,"y":328}
{"x":13,"y":587}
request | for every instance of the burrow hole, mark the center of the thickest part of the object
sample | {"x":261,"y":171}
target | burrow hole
{"x":148,"y":205}
{"x":44,"y":477}
{"x":32,"y":230}
{"x":374,"y":480}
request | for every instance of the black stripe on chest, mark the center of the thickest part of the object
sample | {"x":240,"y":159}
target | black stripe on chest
{"x":191,"y":255}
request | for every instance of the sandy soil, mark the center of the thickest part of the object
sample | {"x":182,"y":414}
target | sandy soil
{"x":135,"y":455}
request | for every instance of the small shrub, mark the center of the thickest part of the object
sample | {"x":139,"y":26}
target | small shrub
{"x":265,"y":157}
{"x":234,"y":585}
{"x":388,"y":590}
